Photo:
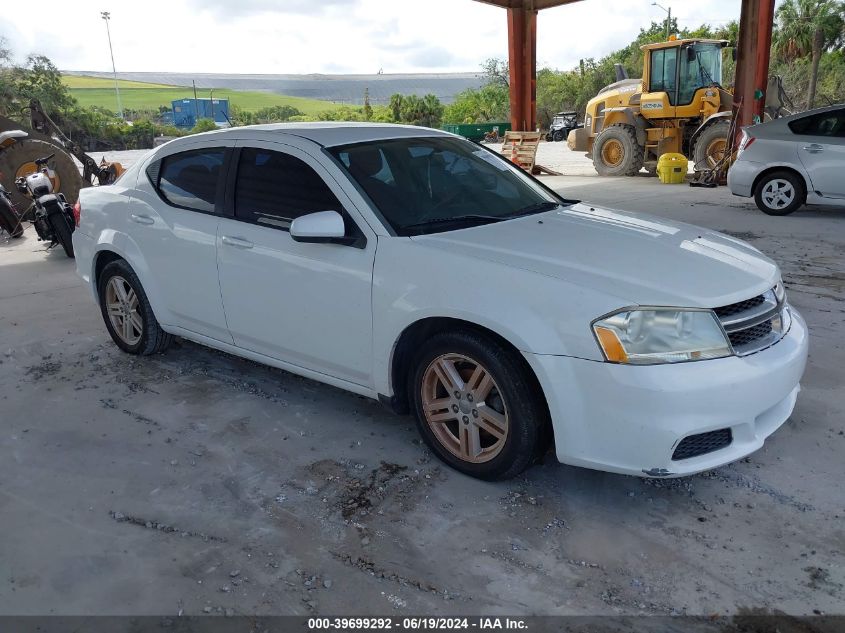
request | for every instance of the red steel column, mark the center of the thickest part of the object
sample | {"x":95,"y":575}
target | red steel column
{"x":522,"y":61}
{"x":752,"y":60}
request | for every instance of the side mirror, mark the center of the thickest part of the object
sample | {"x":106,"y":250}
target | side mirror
{"x":319,"y":227}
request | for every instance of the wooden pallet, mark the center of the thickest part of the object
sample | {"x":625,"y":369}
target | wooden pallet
{"x":521,"y":148}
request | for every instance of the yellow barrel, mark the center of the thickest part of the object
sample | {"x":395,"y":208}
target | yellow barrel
{"x":672,"y":168}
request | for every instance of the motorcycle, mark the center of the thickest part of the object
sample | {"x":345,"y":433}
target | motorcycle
{"x":9,"y":219}
{"x":53,"y":218}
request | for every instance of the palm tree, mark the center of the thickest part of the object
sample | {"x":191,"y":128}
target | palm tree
{"x":809,"y":27}
{"x":396,"y":106}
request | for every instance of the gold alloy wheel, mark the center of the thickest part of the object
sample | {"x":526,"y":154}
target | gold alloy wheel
{"x":716,"y":151}
{"x":612,"y":153}
{"x":30,"y":168}
{"x":464,"y":408}
{"x":122,"y":308}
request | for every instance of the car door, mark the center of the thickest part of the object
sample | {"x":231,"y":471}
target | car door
{"x":821,"y":148}
{"x":302,"y":303}
{"x":173,"y":222}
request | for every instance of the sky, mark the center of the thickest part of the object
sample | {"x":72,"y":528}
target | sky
{"x":327,"y":36}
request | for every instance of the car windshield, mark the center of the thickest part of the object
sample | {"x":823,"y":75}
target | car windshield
{"x":433,"y":184}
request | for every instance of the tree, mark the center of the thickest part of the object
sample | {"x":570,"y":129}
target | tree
{"x":395,"y":106}
{"x":368,"y":109}
{"x":7,"y":83}
{"x":276,"y":114}
{"x":488,"y":103}
{"x":203,"y":125}
{"x":496,"y":71}
{"x":426,"y":111}
{"x":809,"y":27}
{"x":40,"y":79}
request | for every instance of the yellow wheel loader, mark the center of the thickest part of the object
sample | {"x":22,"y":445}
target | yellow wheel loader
{"x":678,"y":106}
{"x":19,"y":149}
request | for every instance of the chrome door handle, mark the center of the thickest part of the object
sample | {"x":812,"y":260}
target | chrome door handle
{"x":141,"y":219}
{"x":237,"y":242}
{"x":815,"y":148}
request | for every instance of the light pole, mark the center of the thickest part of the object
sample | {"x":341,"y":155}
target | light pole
{"x":668,"y":16}
{"x":107,"y":16}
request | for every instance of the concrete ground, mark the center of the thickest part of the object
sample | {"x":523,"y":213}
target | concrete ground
{"x":197,"y":482}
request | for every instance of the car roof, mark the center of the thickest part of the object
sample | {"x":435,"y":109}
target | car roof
{"x":325,"y":133}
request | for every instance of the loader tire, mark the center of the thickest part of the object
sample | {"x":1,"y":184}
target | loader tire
{"x":19,"y":160}
{"x":617,"y":153}
{"x":711,"y":145}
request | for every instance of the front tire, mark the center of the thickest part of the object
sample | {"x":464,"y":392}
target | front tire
{"x":616,"y":152}
{"x":779,"y":193}
{"x":127,"y":312}
{"x":64,"y":235}
{"x":9,"y":219}
{"x":477,"y":406}
{"x":711,"y":146}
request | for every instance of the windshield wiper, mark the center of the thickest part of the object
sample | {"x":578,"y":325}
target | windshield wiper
{"x":548,"y":205}
{"x":458,"y":219}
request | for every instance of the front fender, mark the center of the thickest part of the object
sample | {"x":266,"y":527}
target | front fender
{"x":535,"y":313}
{"x":715,"y":118}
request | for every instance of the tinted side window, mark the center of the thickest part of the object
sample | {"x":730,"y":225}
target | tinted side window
{"x":190,"y":179}
{"x":822,"y":124}
{"x":274,"y":188}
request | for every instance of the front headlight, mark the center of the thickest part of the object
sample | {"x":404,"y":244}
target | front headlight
{"x":661,"y":335}
{"x":780,"y":292}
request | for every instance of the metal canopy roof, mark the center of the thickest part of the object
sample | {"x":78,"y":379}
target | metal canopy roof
{"x":530,"y":5}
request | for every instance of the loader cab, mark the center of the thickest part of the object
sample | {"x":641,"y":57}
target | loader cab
{"x":674,"y":71}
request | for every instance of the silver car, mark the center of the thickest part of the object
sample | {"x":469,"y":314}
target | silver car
{"x":792,"y":161}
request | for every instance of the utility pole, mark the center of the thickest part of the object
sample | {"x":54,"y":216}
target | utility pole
{"x":107,"y":16}
{"x":668,"y":17}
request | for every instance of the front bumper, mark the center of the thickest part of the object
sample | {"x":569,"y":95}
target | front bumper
{"x":629,"y":419}
{"x":741,"y":177}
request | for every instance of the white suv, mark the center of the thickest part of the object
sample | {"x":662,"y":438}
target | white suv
{"x":415,"y":267}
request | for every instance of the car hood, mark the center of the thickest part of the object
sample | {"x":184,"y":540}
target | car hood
{"x":640,"y":259}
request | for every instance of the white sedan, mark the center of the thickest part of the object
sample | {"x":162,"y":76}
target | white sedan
{"x":415,"y":267}
{"x":791,"y":161}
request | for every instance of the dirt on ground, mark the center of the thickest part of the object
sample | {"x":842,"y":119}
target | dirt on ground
{"x":197,"y":482}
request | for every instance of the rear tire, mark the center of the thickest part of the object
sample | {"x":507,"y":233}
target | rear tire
{"x":780,"y":193}
{"x":617,"y":153}
{"x":491,"y":420}
{"x":144,"y":335}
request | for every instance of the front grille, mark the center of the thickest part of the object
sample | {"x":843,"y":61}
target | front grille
{"x":747,"y":336}
{"x":741,"y":306}
{"x":702,"y":443}
{"x":756,"y":323}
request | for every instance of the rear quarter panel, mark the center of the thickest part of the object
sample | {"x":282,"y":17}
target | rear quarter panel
{"x":105,"y":220}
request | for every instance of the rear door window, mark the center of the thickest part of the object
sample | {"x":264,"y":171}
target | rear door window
{"x":831,"y":123}
{"x":191,"y":179}
{"x":274,"y":188}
